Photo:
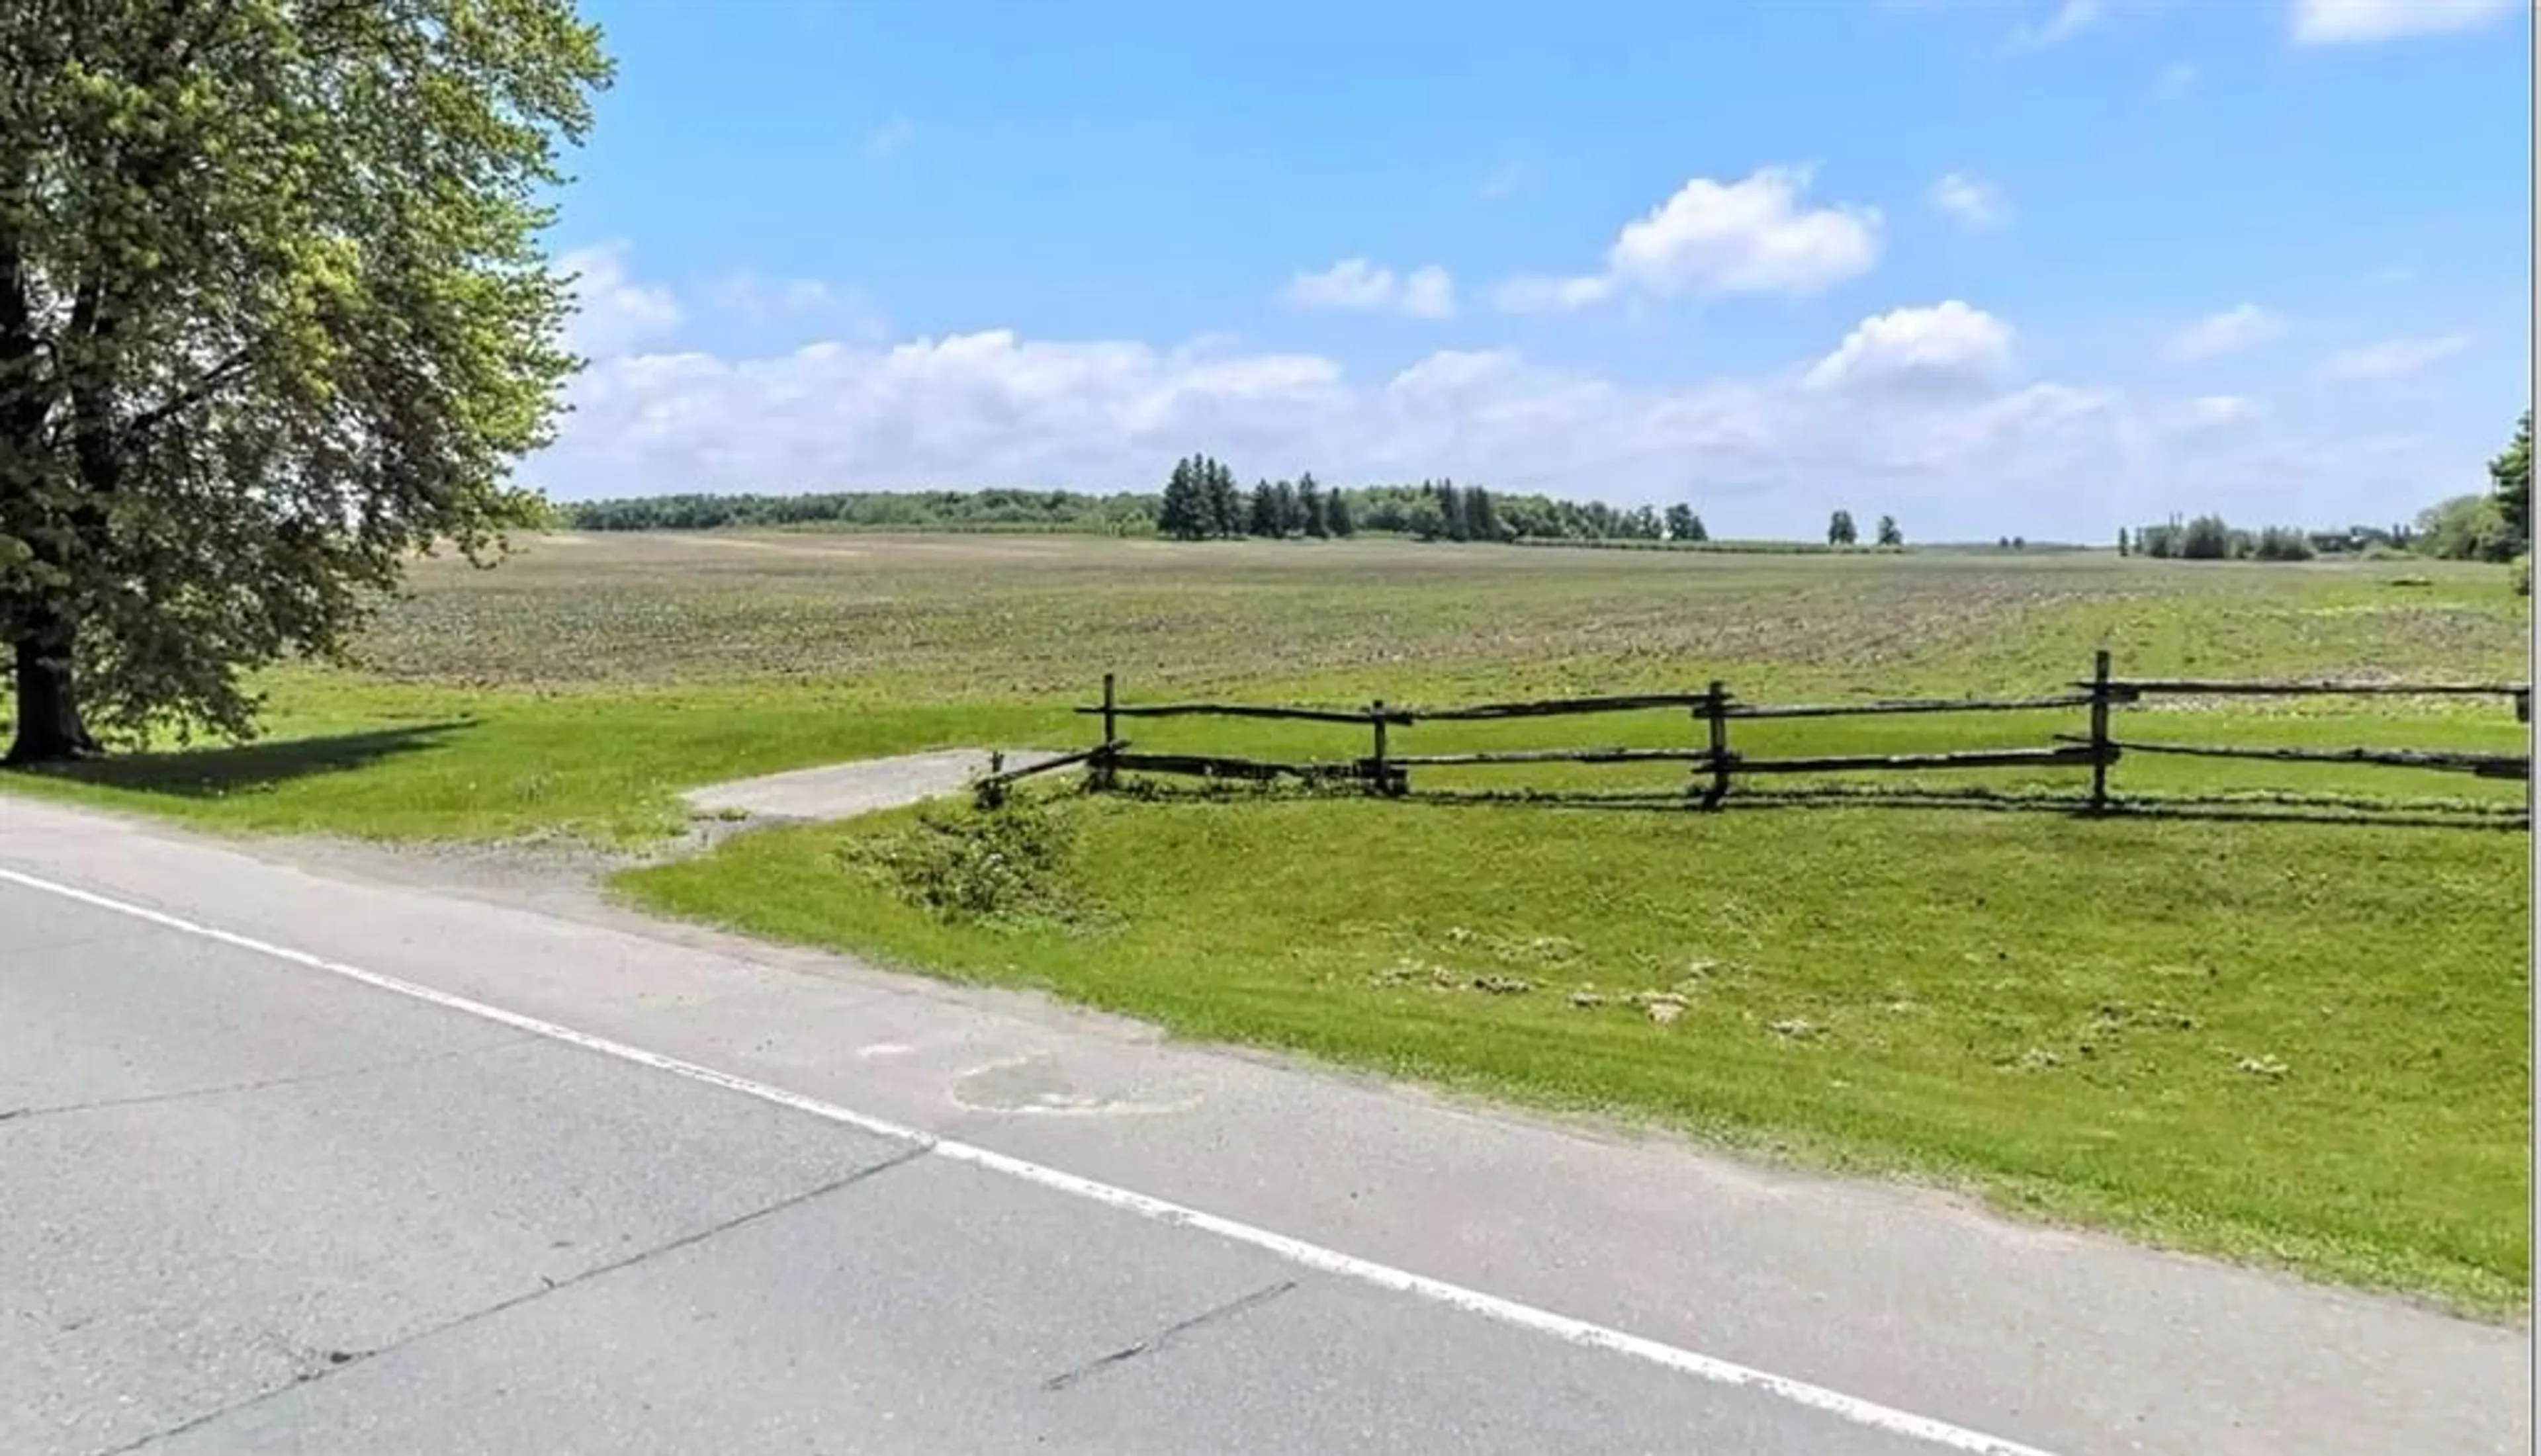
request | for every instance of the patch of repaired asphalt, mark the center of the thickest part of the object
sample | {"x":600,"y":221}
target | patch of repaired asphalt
{"x":842,"y":791}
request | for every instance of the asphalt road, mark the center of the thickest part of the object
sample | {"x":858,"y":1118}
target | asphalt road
{"x":305,"y":1161}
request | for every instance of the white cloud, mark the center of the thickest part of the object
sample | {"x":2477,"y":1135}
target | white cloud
{"x":2223,"y":409}
{"x":612,"y":311}
{"x":2364,"y":22}
{"x":2392,"y":358}
{"x":889,"y":139}
{"x":1749,"y":237}
{"x":2242,"y":326}
{"x":1947,"y":345}
{"x":1428,"y":292}
{"x":1986,"y":456}
{"x":2176,"y":80}
{"x":2068,"y":19}
{"x":1357,"y":286}
{"x":1977,"y":204}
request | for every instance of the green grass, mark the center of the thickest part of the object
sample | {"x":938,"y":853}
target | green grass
{"x":2083,"y":1018}
{"x":2302,"y":1042}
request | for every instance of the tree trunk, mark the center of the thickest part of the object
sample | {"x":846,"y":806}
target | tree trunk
{"x":48,"y":717}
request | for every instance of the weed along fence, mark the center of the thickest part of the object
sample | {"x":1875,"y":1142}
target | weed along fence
{"x":1718,"y":770}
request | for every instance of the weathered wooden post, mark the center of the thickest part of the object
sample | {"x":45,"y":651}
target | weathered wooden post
{"x":1107,"y":773}
{"x":1715,"y":712}
{"x":1379,"y":781}
{"x":2100,"y":731}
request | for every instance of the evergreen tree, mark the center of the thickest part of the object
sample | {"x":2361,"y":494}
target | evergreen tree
{"x":1451,"y":510}
{"x":1482,"y":517}
{"x":1225,"y":512}
{"x":1283,"y":509}
{"x":1338,"y":519}
{"x":1184,"y":516}
{"x":2512,"y":473}
{"x":1889,"y":535}
{"x":1310,"y":507}
{"x":1266,"y":511}
{"x":1840,"y":531}
{"x":1696,"y":532}
{"x":2121,"y":542}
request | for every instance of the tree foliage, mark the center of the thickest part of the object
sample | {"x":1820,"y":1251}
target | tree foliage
{"x":1262,"y":516}
{"x":1311,"y":511}
{"x":992,"y":510}
{"x":1890,"y":536}
{"x":2211,"y":537}
{"x":2510,"y":474}
{"x":273,"y":315}
{"x":1225,"y":502}
{"x":2471,"y":527}
{"x":1839,"y":529}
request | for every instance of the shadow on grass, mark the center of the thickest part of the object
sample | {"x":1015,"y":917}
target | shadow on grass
{"x":2284,"y":808}
{"x":215,"y":773}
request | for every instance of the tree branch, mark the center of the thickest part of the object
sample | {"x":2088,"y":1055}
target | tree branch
{"x":211,"y":382}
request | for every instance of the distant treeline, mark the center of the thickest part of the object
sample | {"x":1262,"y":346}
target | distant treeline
{"x":2495,"y":525}
{"x":933,"y":510}
{"x":1202,"y":501}
{"x":1209,"y":504}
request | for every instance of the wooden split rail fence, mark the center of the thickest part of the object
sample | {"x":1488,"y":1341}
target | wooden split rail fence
{"x":1715,"y":766}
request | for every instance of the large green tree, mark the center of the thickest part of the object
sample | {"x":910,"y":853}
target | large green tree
{"x":274,"y":314}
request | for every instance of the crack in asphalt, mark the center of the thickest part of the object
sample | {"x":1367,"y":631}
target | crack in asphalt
{"x":223,"y":1089}
{"x":1170,"y":1332}
{"x":339,"y":1360}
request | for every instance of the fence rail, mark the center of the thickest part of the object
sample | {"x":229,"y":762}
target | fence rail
{"x":1714,"y":766}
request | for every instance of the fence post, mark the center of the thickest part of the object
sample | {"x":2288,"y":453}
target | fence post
{"x":1377,"y":782}
{"x":1715,"y":711}
{"x":2100,"y":731}
{"x":1106,"y":772}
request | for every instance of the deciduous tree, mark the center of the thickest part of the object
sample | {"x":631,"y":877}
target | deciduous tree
{"x":274,"y":314}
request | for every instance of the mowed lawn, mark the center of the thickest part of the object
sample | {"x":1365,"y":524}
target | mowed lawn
{"x":2303,"y":1043}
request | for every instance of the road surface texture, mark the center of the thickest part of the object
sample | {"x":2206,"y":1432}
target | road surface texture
{"x":299,"y":1156}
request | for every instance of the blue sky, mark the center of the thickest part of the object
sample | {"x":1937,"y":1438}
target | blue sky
{"x":2035,"y":266}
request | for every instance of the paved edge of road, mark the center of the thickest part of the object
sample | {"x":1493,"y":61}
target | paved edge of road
{"x":1850,"y":1409}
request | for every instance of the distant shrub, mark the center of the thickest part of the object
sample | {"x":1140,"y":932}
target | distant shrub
{"x":2282,"y":543}
{"x":2207,"y":538}
{"x":2523,"y":575}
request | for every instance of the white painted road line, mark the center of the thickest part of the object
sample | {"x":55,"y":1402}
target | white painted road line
{"x":1852,"y":1408}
